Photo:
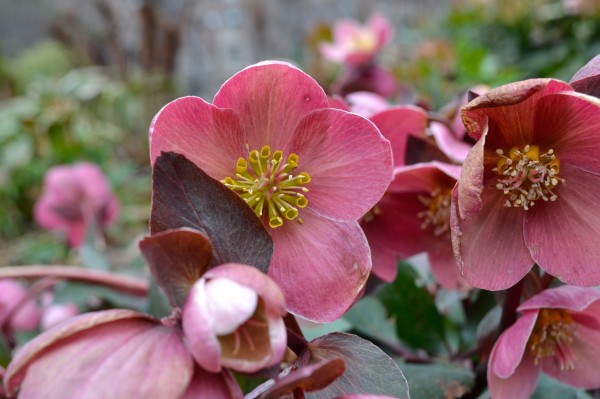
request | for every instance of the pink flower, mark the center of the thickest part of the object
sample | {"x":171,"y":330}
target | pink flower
{"x":308,"y":171}
{"x":558,"y":334}
{"x":75,"y":198}
{"x":356,"y":44}
{"x":57,"y":313}
{"x":413,"y":217}
{"x":366,"y":103}
{"x":233,"y":318}
{"x":112,"y":354}
{"x":17,"y":311}
{"x":529,"y":187}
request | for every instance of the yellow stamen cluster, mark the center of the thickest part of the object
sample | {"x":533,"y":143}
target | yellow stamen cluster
{"x":552,"y":336}
{"x":437,"y":214}
{"x":266,"y":181}
{"x":526,"y":176}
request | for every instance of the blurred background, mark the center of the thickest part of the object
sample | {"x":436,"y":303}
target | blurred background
{"x":82,"y":80}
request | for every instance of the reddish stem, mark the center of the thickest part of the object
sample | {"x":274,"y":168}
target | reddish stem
{"x":129,"y":285}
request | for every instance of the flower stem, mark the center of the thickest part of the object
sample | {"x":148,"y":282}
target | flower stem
{"x":129,"y":285}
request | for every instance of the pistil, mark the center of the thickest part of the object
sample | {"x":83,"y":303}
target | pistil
{"x":269,"y":185}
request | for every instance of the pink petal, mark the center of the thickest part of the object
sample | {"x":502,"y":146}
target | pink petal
{"x":129,"y":357}
{"x":510,"y":107}
{"x":510,"y":348}
{"x":366,"y":103}
{"x":585,"y":350}
{"x":270,"y":98}
{"x":321,"y":265}
{"x":211,"y":137}
{"x":385,"y":261}
{"x":198,"y":328}
{"x":214,"y":386}
{"x":470,"y":186}
{"x":345,"y":30}
{"x":445,"y":268}
{"x":519,"y":385}
{"x":569,"y":122}
{"x":489,"y":246}
{"x":454,"y":148}
{"x":233,"y":303}
{"x":349,"y":162}
{"x":382,"y":27}
{"x":564,"y":235}
{"x":563,"y":297}
{"x":397,"y":123}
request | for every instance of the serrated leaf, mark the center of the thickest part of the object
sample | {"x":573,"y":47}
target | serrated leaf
{"x":368,"y":369}
{"x":184,"y":196}
{"x":432,"y":381}
{"x":418,"y":322}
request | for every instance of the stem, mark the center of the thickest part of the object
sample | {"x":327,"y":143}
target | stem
{"x":129,"y":285}
{"x":512,"y":299}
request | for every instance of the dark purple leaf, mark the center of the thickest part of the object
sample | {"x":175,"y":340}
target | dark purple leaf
{"x":587,"y":79}
{"x":184,"y":196}
{"x":368,"y":369}
{"x":177,"y":258}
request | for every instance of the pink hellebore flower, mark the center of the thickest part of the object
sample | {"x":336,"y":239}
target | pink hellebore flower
{"x":366,"y":103}
{"x":17,"y":312}
{"x":74,"y":197}
{"x":57,"y":313}
{"x":355,"y":44}
{"x":413,"y":217}
{"x":307,"y":170}
{"x":233,"y":318}
{"x":559,"y":334}
{"x":112,"y":354}
{"x":529,"y":188}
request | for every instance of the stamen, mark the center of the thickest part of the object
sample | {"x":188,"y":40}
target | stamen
{"x":264,"y":181}
{"x":552,"y":336}
{"x":526,"y":176}
{"x":437,"y":214}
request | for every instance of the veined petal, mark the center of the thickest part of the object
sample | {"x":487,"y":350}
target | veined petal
{"x":445,"y":268}
{"x":455,"y":148}
{"x":489,"y":246}
{"x":568,"y":123}
{"x":211,"y":137}
{"x":349,"y":162}
{"x":563,"y":297}
{"x":385,"y":261}
{"x":520,"y":385}
{"x":270,"y":98}
{"x":215,"y":386}
{"x":323,"y":285}
{"x":564,"y":235}
{"x":510,"y":348}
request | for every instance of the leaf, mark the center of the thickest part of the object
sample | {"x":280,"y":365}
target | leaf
{"x":158,"y":303}
{"x":184,"y":196}
{"x":443,"y":381}
{"x":177,"y":259}
{"x":368,"y":369}
{"x":82,"y":294}
{"x":587,"y":79}
{"x":418,"y":322}
{"x":549,"y":388}
{"x":368,"y":316}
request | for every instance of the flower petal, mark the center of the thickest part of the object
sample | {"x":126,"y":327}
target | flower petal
{"x":130,"y":357}
{"x":563,"y":297}
{"x":211,"y":137}
{"x":455,"y":148}
{"x":519,"y":385}
{"x":270,"y":98}
{"x":348,"y":160}
{"x":510,"y":348}
{"x":445,"y":268}
{"x":489,"y":246}
{"x":569,"y":123}
{"x":564,"y":235}
{"x":321,"y":265}
{"x":215,"y":386}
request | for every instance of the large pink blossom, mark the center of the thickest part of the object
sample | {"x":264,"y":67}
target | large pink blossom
{"x":75,"y":197}
{"x":308,"y":171}
{"x":558,"y":334}
{"x":356,"y":44}
{"x":529,"y":188}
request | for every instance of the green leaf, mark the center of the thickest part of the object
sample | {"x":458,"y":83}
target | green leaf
{"x":158,"y":304}
{"x":431,"y":381}
{"x":83,"y":295}
{"x":418,"y":322}
{"x":368,"y":317}
{"x":368,"y":369}
{"x":549,"y":388}
{"x":184,"y":196}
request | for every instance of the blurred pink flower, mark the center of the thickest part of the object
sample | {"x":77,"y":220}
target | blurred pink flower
{"x":17,"y":312}
{"x":529,"y":188}
{"x":233,"y":318}
{"x":366,"y":103}
{"x":303,"y":167}
{"x":75,"y":197}
{"x":356,"y":44}
{"x":112,"y":354}
{"x":558,"y":334}
{"x":57,"y":313}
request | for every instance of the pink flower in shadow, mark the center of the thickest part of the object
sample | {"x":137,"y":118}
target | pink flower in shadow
{"x":529,"y":188}
{"x":307,"y":170}
{"x":558,"y":333}
{"x":75,"y":198}
{"x":17,"y":311}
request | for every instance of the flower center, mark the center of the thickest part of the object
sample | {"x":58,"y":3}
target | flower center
{"x":526,"y":176}
{"x":437,"y":214}
{"x":552,"y":336}
{"x":364,"y":40}
{"x":265,"y":181}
